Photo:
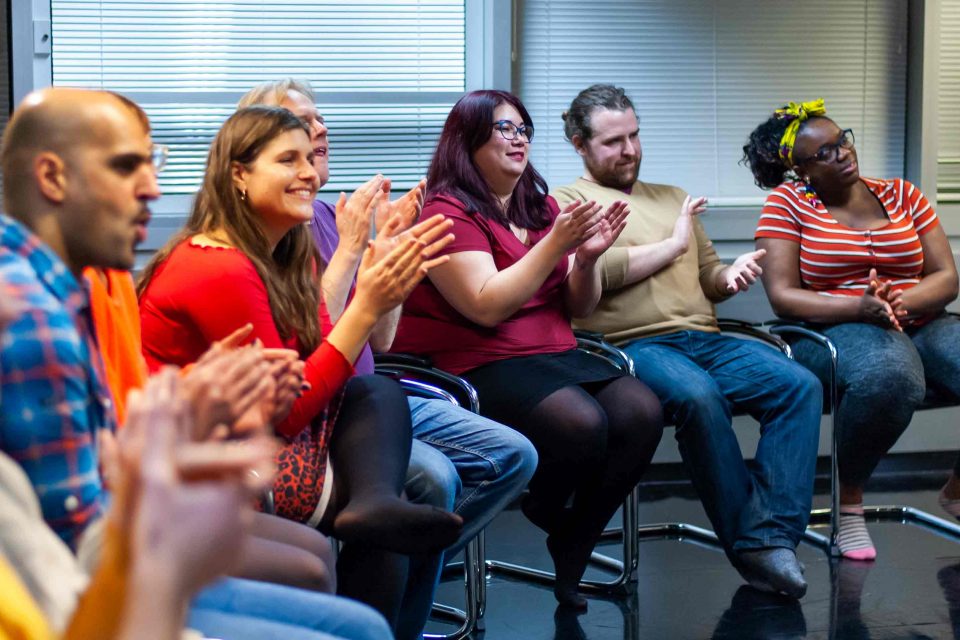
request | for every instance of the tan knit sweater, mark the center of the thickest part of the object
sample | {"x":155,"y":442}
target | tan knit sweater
{"x":680,"y":296}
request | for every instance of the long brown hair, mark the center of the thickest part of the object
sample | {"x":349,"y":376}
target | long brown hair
{"x":290,"y":271}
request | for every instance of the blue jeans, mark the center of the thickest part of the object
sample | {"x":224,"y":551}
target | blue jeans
{"x":463,"y":463}
{"x":237,"y":609}
{"x":882,"y":376}
{"x":483,"y":464}
{"x":700,"y":378}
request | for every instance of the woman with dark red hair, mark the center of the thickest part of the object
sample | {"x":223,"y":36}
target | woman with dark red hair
{"x":498,"y":313}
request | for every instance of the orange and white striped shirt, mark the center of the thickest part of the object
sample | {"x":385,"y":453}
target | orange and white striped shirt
{"x":835,"y":260}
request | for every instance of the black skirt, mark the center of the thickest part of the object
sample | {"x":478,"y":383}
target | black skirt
{"x":510,"y":389}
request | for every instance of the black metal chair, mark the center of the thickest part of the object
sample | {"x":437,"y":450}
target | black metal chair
{"x":894,"y":513}
{"x":417,"y":377}
{"x":624,"y":571}
{"x":681,"y":530}
{"x":403,"y":366}
{"x":419,"y":370}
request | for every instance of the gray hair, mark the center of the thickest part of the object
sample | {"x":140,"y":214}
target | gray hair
{"x":274,"y":92}
{"x":576,"y":120}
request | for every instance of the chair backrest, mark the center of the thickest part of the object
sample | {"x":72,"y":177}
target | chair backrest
{"x":418,"y":376}
{"x":593,"y":343}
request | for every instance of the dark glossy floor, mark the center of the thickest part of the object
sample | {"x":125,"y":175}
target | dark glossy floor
{"x":689,"y":591}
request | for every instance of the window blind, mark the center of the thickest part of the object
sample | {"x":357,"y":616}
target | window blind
{"x":948,"y":107}
{"x":385,"y":73}
{"x":703,"y":74}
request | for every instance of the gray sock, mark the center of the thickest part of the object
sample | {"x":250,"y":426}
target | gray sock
{"x":776,"y":570}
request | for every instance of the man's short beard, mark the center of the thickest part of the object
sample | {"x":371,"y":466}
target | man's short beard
{"x":614,"y":180}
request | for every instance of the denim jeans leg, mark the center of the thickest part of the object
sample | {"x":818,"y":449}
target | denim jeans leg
{"x":694,"y":403}
{"x":880,"y":383}
{"x":493,"y":462}
{"x":786,"y":399}
{"x":431,"y":477}
{"x":339,"y":617}
{"x":938,"y":344}
{"x":234,"y":626}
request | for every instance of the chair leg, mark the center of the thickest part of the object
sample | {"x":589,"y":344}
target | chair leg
{"x":474,"y":592}
{"x":625,"y":570}
{"x":481,"y":564}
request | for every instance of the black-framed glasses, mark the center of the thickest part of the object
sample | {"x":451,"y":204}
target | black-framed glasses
{"x":158,"y":156}
{"x":510,"y":131}
{"x":827,"y":151}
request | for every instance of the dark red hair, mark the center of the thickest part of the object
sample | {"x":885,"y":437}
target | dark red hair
{"x":452,"y":171}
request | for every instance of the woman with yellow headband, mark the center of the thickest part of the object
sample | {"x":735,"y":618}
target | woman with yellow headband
{"x":866,"y":261}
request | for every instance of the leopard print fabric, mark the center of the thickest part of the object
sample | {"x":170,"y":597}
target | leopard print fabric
{"x":302,"y":465}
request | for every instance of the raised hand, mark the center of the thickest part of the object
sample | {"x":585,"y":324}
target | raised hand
{"x":683,"y":228}
{"x":355,"y":215}
{"x":405,"y":210}
{"x":398,"y":226}
{"x":575,"y":225}
{"x":743,"y":272}
{"x":612,"y":224}
{"x":385,"y":282}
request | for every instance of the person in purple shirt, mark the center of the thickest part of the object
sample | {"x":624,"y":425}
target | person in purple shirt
{"x":460,"y":461}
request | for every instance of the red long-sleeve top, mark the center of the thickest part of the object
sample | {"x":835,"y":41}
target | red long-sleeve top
{"x":202,"y":294}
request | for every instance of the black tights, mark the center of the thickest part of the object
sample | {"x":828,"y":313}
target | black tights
{"x":370,"y":450}
{"x":594,"y":445}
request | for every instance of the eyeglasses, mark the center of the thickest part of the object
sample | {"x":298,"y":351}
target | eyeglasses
{"x":510,"y":131}
{"x":823,"y":154}
{"x":158,"y":156}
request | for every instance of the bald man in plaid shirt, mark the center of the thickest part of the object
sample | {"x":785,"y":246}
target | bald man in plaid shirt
{"x":79,"y":172}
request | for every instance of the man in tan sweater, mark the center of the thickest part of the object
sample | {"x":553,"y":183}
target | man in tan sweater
{"x":660,"y":281}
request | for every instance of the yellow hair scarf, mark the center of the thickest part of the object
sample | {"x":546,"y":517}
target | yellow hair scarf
{"x":796,"y":113}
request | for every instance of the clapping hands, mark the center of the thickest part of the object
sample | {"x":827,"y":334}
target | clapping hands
{"x":582,"y":225}
{"x":611,"y":224}
{"x":684,"y":226}
{"x":743,"y":272}
{"x":385,"y":281}
{"x":183,"y":505}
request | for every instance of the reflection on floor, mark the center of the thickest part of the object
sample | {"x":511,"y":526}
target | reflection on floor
{"x":689,"y":591}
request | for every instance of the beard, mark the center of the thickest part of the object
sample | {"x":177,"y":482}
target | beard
{"x":616,"y":176}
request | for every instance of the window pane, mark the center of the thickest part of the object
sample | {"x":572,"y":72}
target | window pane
{"x":948,"y":154}
{"x":703,"y":74}
{"x":385,"y":73}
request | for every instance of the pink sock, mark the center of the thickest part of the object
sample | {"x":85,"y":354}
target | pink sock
{"x":853,"y":538}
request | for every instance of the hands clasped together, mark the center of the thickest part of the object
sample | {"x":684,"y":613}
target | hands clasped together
{"x":881,"y":305}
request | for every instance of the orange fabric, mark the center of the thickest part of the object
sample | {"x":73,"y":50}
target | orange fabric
{"x":116,"y":317}
{"x":100,"y":609}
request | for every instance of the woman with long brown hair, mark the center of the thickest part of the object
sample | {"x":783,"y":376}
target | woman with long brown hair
{"x":245,"y":256}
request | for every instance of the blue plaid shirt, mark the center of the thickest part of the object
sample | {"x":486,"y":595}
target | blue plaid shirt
{"x":54,"y":399}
